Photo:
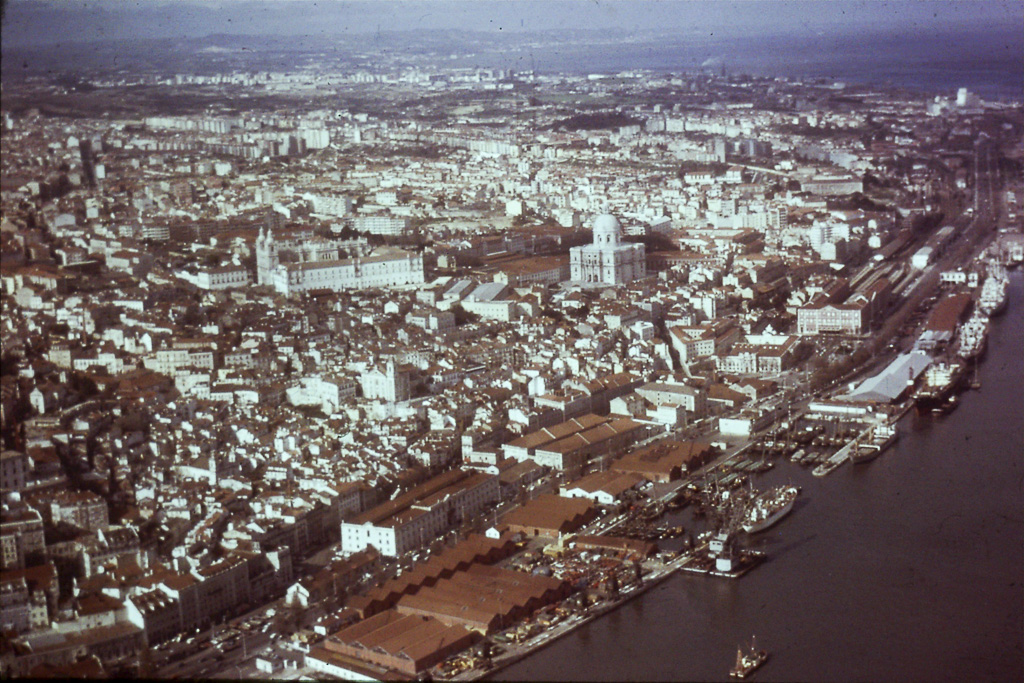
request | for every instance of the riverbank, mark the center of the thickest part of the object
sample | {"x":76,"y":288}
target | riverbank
{"x":517,"y":652}
{"x":927,"y":533}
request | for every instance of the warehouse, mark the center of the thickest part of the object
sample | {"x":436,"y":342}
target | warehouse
{"x":665,"y":460}
{"x":572,"y":452}
{"x":476,"y":549}
{"x":604,"y":488}
{"x":407,"y":643}
{"x":484,"y":598}
{"x":550,"y":515}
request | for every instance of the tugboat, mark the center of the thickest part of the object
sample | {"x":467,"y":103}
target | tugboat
{"x":748,"y":662}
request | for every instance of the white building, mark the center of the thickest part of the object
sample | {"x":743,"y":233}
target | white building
{"x":378,"y":224}
{"x":331,"y":205}
{"x":385,"y":267}
{"x":421,"y":515}
{"x":607,"y":260}
{"x":218,"y":277}
{"x":392,"y":384}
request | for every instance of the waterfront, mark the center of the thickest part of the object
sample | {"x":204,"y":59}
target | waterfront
{"x":906,"y":568}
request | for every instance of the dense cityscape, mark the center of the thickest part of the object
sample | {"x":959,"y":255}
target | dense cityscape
{"x":374,"y":368}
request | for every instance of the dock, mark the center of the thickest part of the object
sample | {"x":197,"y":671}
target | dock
{"x":842,"y":455}
{"x":701,"y":564}
{"x":519,"y":651}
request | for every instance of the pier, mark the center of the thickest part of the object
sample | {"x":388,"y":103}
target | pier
{"x":518,"y":651}
{"x":842,"y":455}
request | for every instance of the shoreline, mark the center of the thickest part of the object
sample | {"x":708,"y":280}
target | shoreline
{"x":542,"y":640}
{"x":678,"y":564}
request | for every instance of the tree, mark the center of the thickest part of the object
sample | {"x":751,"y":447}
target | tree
{"x":463,"y":317}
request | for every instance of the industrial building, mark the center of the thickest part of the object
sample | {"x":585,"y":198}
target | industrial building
{"x":476,"y":549}
{"x":550,"y":515}
{"x":665,"y":460}
{"x":604,"y":488}
{"x":485,"y":598}
{"x":940,"y":328}
{"x":894,"y":381}
{"x":442,"y":607}
{"x":407,"y":643}
{"x":572,"y":444}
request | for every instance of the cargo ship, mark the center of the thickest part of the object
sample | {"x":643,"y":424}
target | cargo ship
{"x":992,"y":300}
{"x":940,"y":382}
{"x":882,"y":436}
{"x":769,"y":507}
{"x":973,"y":336}
{"x":748,"y":662}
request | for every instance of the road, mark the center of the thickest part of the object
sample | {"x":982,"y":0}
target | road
{"x":211,"y":660}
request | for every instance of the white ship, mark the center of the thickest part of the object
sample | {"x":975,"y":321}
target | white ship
{"x":973,"y":335}
{"x":993,"y":293}
{"x":769,"y":507}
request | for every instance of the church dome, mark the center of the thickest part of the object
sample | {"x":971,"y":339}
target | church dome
{"x":607,"y":230}
{"x":606,"y":223}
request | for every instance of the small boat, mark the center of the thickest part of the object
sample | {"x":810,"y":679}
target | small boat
{"x":748,"y":662}
{"x":864,"y":453}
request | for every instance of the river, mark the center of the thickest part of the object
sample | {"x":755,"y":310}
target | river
{"x":907,"y":568}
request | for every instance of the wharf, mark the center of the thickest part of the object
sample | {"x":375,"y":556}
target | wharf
{"x":840,"y":456}
{"x":518,"y":652}
{"x":702,"y":564}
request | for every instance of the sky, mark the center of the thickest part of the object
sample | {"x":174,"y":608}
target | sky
{"x":40,"y":22}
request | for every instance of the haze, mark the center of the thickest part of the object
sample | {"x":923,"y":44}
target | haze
{"x":37,"y":22}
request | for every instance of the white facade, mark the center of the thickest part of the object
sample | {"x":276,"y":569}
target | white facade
{"x":607,"y":260}
{"x":381,"y":225}
{"x":225,"y":277}
{"x":331,"y":205}
{"x":423,"y":521}
{"x":168,"y":361}
{"x":386,"y":267}
{"x":391,"y":385}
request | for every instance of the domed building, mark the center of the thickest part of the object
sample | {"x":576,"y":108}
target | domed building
{"x":607,"y":261}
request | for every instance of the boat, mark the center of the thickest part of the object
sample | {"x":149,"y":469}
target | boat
{"x":973,"y":336}
{"x":864,"y":453}
{"x":992,"y":300}
{"x":769,"y":507}
{"x":975,"y":380}
{"x":654,"y":511}
{"x":940,"y":382}
{"x":748,"y":662}
{"x":830,"y":463}
{"x":882,"y":436}
{"x":946,"y":407}
{"x":1015,"y":255}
